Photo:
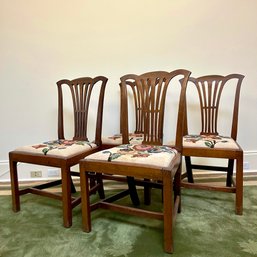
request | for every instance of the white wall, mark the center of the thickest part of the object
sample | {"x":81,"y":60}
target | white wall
{"x":44,"y":41}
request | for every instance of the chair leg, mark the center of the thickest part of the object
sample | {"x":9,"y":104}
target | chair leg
{"x":85,"y":202}
{"x":73,"y":189}
{"x":239,"y":185}
{"x":230,"y":172}
{"x":101,"y":186}
{"x":133,"y":191}
{"x":177,"y":187}
{"x":66,"y":197}
{"x":147,"y":193}
{"x":167,"y":212}
{"x":14,"y":186}
{"x":189,"y":169}
{"x":92,"y":180}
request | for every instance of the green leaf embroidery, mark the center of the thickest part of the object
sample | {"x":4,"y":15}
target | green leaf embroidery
{"x":45,"y":150}
{"x":113,"y":156}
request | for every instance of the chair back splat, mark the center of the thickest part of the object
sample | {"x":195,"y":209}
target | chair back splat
{"x":210,"y":90}
{"x":151,"y":163}
{"x":150,"y":102}
{"x":81,"y":91}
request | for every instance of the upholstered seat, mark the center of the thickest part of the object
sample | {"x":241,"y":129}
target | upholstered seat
{"x":61,"y":148}
{"x":209,"y":141}
{"x":148,"y":155}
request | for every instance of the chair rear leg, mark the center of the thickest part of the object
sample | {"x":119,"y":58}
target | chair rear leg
{"x":92,"y":179}
{"x":14,"y":186}
{"x":189,"y":169}
{"x":101,"y":185}
{"x":147,"y":193}
{"x":230,"y":172}
{"x":73,"y":188}
{"x":133,"y":191}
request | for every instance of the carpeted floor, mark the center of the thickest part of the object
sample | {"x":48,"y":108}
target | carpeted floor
{"x":206,"y":227}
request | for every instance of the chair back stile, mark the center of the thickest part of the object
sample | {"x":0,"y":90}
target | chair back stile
{"x":236,"y":106}
{"x":181,"y":124}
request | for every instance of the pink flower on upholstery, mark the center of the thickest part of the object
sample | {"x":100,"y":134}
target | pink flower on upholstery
{"x":142,"y":147}
{"x":38,"y":146}
{"x":68,"y":142}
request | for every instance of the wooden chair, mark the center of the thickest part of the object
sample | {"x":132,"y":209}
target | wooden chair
{"x":209,"y":143}
{"x":150,"y":160}
{"x":64,"y":153}
{"x":136,"y":129}
{"x":135,"y":137}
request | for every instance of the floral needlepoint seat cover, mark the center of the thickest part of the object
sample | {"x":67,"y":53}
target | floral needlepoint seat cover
{"x":137,"y":153}
{"x":209,"y":141}
{"x":62,"y":147}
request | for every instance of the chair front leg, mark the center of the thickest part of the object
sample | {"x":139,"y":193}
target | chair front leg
{"x":85,"y":201}
{"x":177,"y":187}
{"x":239,"y":185}
{"x":14,"y":186}
{"x":66,"y":197}
{"x":167,"y":211}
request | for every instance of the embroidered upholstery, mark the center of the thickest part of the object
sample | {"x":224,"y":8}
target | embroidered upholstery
{"x":62,"y":148}
{"x":210,"y":141}
{"x":137,"y":153}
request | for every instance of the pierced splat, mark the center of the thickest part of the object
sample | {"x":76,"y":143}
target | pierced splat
{"x":81,"y":90}
{"x":149,"y":91}
{"x":209,"y":95}
{"x":210,"y":89}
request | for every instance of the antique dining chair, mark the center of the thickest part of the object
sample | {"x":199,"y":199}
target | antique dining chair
{"x":150,"y":160}
{"x":135,"y":135}
{"x":209,"y":143}
{"x":87,"y":96}
{"x":136,"y":124}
